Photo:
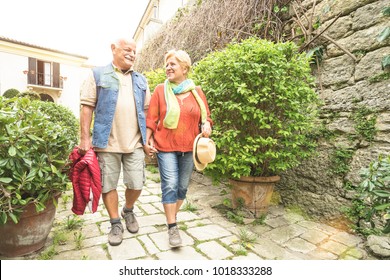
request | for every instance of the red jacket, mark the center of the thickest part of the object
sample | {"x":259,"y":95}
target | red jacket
{"x":86,"y":181}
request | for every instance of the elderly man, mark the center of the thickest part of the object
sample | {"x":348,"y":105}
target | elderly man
{"x":118,"y":98}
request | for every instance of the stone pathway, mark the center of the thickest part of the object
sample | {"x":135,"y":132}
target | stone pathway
{"x":207,"y":234}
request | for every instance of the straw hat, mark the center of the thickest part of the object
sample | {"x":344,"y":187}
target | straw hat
{"x":204,"y":152}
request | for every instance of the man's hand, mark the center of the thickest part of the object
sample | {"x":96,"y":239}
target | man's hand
{"x":149,"y":148}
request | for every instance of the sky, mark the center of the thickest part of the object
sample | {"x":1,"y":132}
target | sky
{"x":82,"y":27}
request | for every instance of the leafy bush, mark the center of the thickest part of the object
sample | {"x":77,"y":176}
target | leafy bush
{"x":373,"y":195}
{"x":30,"y":94}
{"x":33,"y":156}
{"x":155,"y":77}
{"x":10,"y":93}
{"x":61,"y":115}
{"x":263,"y":105}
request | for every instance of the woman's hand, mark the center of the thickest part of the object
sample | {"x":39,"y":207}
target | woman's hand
{"x":206,"y":129}
{"x":149,"y":148}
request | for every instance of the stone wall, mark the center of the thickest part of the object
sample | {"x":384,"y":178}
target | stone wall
{"x":345,"y":85}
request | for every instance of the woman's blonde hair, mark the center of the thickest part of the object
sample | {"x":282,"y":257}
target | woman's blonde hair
{"x":182,"y":57}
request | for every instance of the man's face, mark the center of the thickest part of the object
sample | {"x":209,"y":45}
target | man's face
{"x":124,"y":54}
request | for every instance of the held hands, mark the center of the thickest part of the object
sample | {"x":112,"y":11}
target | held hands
{"x":206,"y":129}
{"x":149,"y":148}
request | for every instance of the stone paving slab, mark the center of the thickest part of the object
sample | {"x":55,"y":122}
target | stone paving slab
{"x":272,"y":251}
{"x":346,"y":239}
{"x":182,"y":253}
{"x":314,"y":236}
{"x":282,"y":234}
{"x":129,"y":249}
{"x":214,"y":250}
{"x":300,"y":245}
{"x":206,"y":233}
{"x":93,"y":253}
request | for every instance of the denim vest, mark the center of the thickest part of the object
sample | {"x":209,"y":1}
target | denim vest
{"x":107,"y":87}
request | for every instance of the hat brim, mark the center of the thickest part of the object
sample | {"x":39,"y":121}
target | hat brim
{"x":198,"y":165}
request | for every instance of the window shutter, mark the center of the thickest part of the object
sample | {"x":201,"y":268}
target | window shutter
{"x":56,"y":75}
{"x":32,"y":74}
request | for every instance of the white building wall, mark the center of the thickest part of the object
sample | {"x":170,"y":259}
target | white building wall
{"x":12,"y":76}
{"x":70,"y":96}
{"x":11,"y":72}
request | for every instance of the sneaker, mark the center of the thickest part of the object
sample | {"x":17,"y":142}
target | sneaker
{"x":131,"y":221}
{"x":115,"y":235}
{"x":174,"y":237}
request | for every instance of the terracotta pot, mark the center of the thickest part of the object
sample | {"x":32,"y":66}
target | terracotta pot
{"x":255,"y":192}
{"x":29,"y":234}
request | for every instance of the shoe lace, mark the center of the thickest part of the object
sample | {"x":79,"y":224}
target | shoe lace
{"x":174,"y":232}
{"x":116,"y":229}
{"x":130,"y":215}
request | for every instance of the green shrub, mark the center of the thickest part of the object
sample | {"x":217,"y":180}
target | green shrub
{"x":34,"y":152}
{"x":10,"y":93}
{"x":263,"y":105}
{"x":30,"y":94}
{"x":155,"y":77}
{"x":61,"y":115}
{"x":373,"y":195}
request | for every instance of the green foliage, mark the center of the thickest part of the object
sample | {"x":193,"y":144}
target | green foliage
{"x":380,"y":77}
{"x":386,"y":11}
{"x":152,"y":169}
{"x":372,"y":202}
{"x":155,"y":77}
{"x":263,"y":105}
{"x":73,"y":222}
{"x":385,"y":33}
{"x":189,"y":207}
{"x":33,"y":157}
{"x":10,"y":93}
{"x":30,"y":94}
{"x":61,"y":115}
{"x":316,"y":55}
{"x":365,"y":120}
{"x":386,"y":62}
{"x":341,"y":159}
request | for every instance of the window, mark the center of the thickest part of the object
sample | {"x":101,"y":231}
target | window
{"x":44,"y":73}
{"x":155,"y":11}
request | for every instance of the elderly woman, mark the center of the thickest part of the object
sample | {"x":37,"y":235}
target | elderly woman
{"x":178,"y":112}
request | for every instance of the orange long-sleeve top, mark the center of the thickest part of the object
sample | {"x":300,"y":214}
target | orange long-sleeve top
{"x":182,"y":138}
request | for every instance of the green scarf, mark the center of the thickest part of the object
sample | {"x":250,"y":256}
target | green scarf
{"x":173,"y":109}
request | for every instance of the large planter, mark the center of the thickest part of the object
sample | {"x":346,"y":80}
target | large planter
{"x":253,"y":192}
{"x":29,"y":234}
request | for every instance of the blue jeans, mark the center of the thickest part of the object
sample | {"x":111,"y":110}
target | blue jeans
{"x":175,"y":171}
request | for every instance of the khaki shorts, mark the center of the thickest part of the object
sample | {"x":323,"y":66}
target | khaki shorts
{"x":133,"y":169}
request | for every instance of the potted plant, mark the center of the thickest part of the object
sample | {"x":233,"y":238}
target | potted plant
{"x":36,"y":138}
{"x":264,"y":108}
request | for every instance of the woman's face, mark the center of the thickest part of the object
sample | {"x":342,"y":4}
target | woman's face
{"x":174,"y":71}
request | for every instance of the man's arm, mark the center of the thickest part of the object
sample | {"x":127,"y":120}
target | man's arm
{"x":85,"y":128}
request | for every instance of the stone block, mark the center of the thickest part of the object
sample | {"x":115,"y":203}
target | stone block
{"x":337,"y":70}
{"x":362,"y":40}
{"x":369,"y":15}
{"x":371,"y":64}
